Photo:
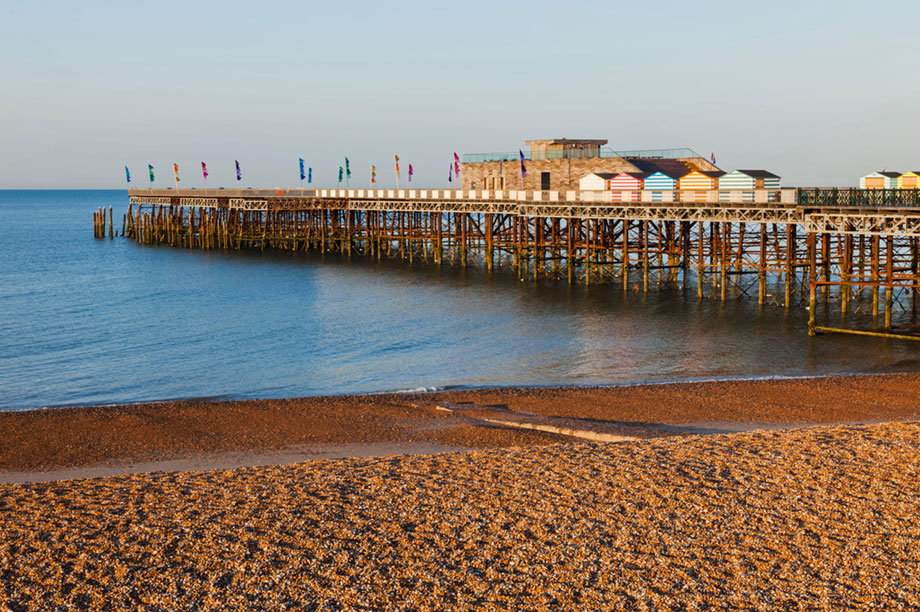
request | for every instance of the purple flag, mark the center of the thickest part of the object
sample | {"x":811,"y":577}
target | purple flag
{"x":713,"y":158}
{"x":239,"y":176}
{"x":523,"y":169}
{"x":450,"y":174}
{"x":410,"y":173}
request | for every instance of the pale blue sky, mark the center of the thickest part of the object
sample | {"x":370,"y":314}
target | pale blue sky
{"x":819,"y":92}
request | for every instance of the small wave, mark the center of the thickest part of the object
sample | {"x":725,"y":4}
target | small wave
{"x":417,"y":390}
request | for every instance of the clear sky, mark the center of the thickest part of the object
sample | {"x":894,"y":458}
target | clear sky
{"x":818,"y":91}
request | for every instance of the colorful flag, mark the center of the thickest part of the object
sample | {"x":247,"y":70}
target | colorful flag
{"x":309,"y":175}
{"x":127,"y":174}
{"x":397,"y":165}
{"x":176,"y":171}
{"x":302,"y":177}
{"x":523,"y":168}
{"x":239,"y":175}
{"x":410,"y":173}
{"x":150,"y":170}
{"x":340,"y":173}
{"x":373,"y":174}
{"x":713,"y":158}
{"x":347,"y":168}
{"x":204,"y":171}
{"x":456,"y":164}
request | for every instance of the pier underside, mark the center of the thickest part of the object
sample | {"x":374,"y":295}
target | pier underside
{"x":849,"y":259}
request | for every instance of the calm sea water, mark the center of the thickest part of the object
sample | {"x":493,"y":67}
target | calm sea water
{"x":106,"y":321}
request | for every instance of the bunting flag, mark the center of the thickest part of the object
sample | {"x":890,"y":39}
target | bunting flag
{"x":450,"y":174}
{"x":373,"y":174}
{"x":127,"y":174}
{"x":410,"y":173}
{"x":523,"y":168}
{"x":302,"y":176}
{"x":456,"y":164}
{"x":204,"y":171}
{"x":239,"y":175}
{"x":713,"y":158}
{"x":341,"y":171}
{"x":347,"y":168}
{"x":309,"y":175}
{"x":150,"y":170}
{"x":397,"y":165}
{"x":176,"y":171}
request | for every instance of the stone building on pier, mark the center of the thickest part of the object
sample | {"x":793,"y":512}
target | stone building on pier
{"x":559,"y":164}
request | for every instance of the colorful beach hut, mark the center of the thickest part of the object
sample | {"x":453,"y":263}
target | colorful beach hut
{"x":909,"y":180}
{"x":748,"y":180}
{"x":883,"y":179}
{"x":695,"y":186}
{"x":627,"y":185}
{"x":595,"y":181}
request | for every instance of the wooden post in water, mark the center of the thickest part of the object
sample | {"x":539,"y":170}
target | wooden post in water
{"x":625,"y":262}
{"x":845,"y":272}
{"x":701,"y":261}
{"x":723,"y":256}
{"x":490,"y":254}
{"x":874,"y":270}
{"x":762,"y":270}
{"x":812,"y":293}
{"x":889,"y":281}
{"x":643,"y":232}
{"x":790,"y":256}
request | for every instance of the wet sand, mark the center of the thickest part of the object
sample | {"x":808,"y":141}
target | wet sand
{"x":201,"y":434}
{"x":820,"y":518}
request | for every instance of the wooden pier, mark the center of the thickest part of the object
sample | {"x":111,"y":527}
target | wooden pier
{"x":859,"y":248}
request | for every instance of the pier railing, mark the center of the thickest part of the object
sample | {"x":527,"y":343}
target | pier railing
{"x":590,"y":153}
{"x":776,"y":197}
{"x":859,"y":198}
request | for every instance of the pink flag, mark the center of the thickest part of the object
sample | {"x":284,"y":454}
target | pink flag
{"x":204,"y":170}
{"x":456,"y":164}
{"x":410,"y":173}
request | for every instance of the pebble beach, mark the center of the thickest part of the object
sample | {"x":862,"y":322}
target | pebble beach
{"x":804,"y":517}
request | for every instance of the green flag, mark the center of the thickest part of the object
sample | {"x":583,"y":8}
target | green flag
{"x":340,"y":174}
{"x":347,"y":168}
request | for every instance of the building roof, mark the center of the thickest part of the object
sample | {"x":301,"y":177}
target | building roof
{"x":604,"y":175}
{"x":566,"y":141}
{"x":669,"y":167}
{"x":761,"y":174}
{"x":712,"y":173}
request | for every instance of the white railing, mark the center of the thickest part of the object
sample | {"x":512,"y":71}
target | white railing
{"x":785,"y":196}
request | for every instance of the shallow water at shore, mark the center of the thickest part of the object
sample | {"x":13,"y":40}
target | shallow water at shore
{"x":85,"y":321}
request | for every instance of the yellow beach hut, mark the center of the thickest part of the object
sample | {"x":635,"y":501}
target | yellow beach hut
{"x":694,"y":187}
{"x":909,"y":180}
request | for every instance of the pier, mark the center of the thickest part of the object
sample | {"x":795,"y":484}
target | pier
{"x":785,"y":247}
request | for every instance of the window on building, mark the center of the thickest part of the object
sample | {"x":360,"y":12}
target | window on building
{"x":544,"y":181}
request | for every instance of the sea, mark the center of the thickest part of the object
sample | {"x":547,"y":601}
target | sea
{"x":85,"y":321}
